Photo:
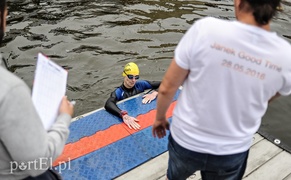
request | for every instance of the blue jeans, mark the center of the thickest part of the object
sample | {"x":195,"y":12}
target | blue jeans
{"x":183,"y":163}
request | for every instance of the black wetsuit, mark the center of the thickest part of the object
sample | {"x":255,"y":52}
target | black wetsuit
{"x":122,"y":92}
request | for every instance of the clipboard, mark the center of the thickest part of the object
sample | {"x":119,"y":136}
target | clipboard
{"x":50,"y":81}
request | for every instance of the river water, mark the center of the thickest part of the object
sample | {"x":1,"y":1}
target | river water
{"x":94,"y":39}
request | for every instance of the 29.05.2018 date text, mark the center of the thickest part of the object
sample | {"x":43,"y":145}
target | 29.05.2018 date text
{"x":240,"y":68}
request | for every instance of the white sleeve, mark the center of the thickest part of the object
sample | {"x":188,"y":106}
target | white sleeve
{"x":186,"y":46}
{"x":286,"y":88}
{"x":23,"y":134}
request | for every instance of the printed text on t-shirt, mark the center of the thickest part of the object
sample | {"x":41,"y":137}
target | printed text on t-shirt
{"x":243,"y":56}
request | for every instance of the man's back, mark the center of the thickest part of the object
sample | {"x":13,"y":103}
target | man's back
{"x":234,"y":71}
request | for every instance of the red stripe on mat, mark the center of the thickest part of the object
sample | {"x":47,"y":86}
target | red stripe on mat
{"x":103,"y":138}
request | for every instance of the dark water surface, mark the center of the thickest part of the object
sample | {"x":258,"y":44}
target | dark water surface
{"x":94,"y":39}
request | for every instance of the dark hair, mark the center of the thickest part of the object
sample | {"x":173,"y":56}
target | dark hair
{"x":263,"y":10}
{"x":2,"y":10}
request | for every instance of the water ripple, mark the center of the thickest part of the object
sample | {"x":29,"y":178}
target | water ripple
{"x":93,"y":39}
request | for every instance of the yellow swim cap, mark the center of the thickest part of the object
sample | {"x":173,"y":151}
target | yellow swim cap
{"x":130,"y":69}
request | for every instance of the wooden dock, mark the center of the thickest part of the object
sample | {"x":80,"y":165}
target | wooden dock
{"x":266,"y":162}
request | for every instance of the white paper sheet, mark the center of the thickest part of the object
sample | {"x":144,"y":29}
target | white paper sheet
{"x":49,"y":87}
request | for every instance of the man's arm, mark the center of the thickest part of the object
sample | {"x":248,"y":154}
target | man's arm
{"x":155,"y":84}
{"x":23,"y":134}
{"x":111,"y":106}
{"x":172,"y":80}
{"x":274,"y":97}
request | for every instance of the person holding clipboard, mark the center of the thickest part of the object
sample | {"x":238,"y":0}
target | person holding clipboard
{"x":25,"y":143}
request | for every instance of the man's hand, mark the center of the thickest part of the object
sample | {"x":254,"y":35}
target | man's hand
{"x":131,"y":122}
{"x":66,"y":107}
{"x":148,"y":98}
{"x":160,"y":128}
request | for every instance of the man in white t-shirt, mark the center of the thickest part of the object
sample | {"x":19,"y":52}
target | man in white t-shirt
{"x":230,"y":70}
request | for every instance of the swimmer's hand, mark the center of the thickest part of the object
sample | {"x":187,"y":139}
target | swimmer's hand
{"x":148,"y":98}
{"x":131,"y":122}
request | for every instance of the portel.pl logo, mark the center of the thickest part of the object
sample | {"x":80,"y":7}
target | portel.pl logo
{"x":39,"y":164}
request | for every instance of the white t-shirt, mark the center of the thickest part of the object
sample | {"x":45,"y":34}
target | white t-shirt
{"x":235,"y":69}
